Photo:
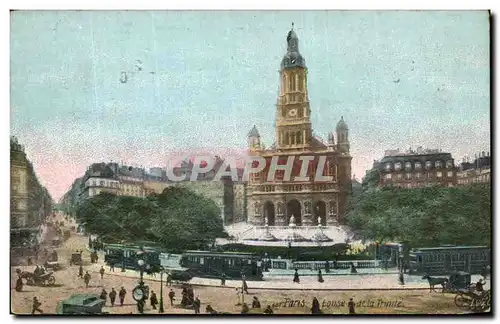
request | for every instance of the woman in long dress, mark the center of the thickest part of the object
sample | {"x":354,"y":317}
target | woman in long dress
{"x":320,"y":276}
{"x":296,"y":276}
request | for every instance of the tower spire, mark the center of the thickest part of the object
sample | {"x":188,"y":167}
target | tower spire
{"x":292,"y":25}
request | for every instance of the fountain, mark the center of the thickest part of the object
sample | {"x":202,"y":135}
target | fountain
{"x":294,"y":236}
{"x":267,"y":236}
{"x":320,"y":236}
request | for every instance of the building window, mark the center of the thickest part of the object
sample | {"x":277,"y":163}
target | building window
{"x":397,"y":166}
{"x":418,"y":165}
{"x":388,"y":166}
{"x":408,"y":176}
{"x":439,"y":174}
{"x":408,"y":165}
{"x":450,"y":184}
{"x":388,"y":176}
{"x":102,"y":183}
{"x":438,"y":164}
{"x":449,"y":164}
{"x":450,"y":174}
{"x":428,"y":165}
{"x":399,"y":176}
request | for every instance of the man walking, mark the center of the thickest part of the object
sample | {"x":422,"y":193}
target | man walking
{"x":36,"y":306}
{"x":102,"y":272}
{"x":86,"y":279}
{"x":122,"y":294}
{"x":153,"y":300}
{"x":112,"y":296}
{"x":171,"y":295}
{"x":80,"y":272}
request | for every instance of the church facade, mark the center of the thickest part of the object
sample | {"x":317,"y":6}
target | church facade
{"x":276,"y":200}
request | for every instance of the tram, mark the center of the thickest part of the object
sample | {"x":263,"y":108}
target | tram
{"x":448,"y":259}
{"x":214,"y":264}
{"x":125,"y":255}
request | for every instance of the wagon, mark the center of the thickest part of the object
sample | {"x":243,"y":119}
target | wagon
{"x":44,"y":279}
{"x":76,"y":259}
{"x":54,"y":265}
{"x":459,"y":281}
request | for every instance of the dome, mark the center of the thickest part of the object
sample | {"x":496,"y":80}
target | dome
{"x":253,"y":132}
{"x":292,"y":58}
{"x":341,"y":124}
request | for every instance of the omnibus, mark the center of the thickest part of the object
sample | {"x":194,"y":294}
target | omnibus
{"x":444,"y":260}
{"x":213,"y":264}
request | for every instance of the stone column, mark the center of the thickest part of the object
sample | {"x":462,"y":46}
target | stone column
{"x":332,"y":212}
{"x":307,"y":213}
{"x":280,"y":214}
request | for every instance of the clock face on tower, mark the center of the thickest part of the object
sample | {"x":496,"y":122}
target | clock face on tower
{"x":292,"y":112}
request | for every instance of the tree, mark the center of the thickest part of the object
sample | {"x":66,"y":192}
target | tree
{"x":428,"y":216}
{"x":178,"y":218}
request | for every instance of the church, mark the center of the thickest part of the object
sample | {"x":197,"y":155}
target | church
{"x":285,"y":202}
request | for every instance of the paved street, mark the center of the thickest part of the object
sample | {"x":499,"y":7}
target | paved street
{"x":274,"y":290}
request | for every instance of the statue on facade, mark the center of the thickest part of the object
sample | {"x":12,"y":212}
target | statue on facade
{"x":266,"y":221}
{"x":256,"y":206}
{"x":319,"y":221}
{"x":292,"y":220}
{"x":279,"y":208}
{"x":307,"y":208}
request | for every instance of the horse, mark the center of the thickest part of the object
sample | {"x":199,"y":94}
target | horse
{"x":435,"y":281}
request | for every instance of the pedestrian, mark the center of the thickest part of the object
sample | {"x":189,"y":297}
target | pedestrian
{"x":210,"y":310}
{"x":171,"y":295}
{"x":315,"y":309}
{"x":245,"y":286}
{"x":255,"y":302}
{"x":268,"y":310}
{"x":479,"y":286}
{"x":401,"y":278}
{"x":36,"y":306}
{"x":140,"y":306}
{"x":296,"y":278}
{"x":104,"y":295}
{"x":111,"y":266}
{"x":353,"y":268}
{"x":327,"y":267}
{"x":153,"y":300}
{"x":223,"y":279}
{"x":169,"y":279}
{"x":351,"y":306}
{"x":320,"y":276}
{"x":86,"y":279}
{"x":19,"y":284}
{"x":102,"y":272}
{"x":244,"y":309}
{"x":197,"y":305}
{"x":122,"y":294}
{"x":30,"y":261}
{"x":112,"y":296}
{"x":80,"y":272}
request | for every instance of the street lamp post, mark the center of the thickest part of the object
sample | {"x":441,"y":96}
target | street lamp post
{"x":161,"y":310}
{"x":123,"y":256}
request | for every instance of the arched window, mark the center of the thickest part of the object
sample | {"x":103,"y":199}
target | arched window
{"x":287,"y":139}
{"x":301,"y":82}
{"x":292,"y":138}
{"x":418,"y":165}
{"x":428,"y":164}
{"x":388,"y":166}
{"x":299,"y":137}
{"x":408,"y":165}
{"x":438,"y":164}
{"x":397,"y":166}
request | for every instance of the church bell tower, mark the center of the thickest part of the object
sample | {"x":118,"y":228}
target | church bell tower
{"x":293,"y":123}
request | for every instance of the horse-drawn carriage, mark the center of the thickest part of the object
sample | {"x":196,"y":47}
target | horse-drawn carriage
{"x":53,"y":265}
{"x":458,"y":281}
{"x":44,"y":279}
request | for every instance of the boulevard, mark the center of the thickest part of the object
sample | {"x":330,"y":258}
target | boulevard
{"x":279,"y":292}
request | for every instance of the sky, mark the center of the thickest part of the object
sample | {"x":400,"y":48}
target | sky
{"x":399,"y":79}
